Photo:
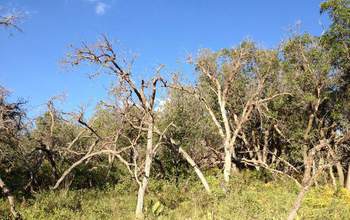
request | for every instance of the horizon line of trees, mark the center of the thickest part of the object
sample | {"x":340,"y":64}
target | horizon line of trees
{"x":284,"y":112}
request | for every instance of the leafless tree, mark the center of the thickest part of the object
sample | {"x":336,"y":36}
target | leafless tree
{"x":11,"y":20}
{"x":136,"y":103}
{"x":222,"y":71}
{"x":310,"y":178}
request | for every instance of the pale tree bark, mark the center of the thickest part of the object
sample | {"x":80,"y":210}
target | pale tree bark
{"x":196,"y":169}
{"x":227,"y":165}
{"x":188,"y":159}
{"x":147,"y":171}
{"x":89,"y":155}
{"x":6,"y":191}
{"x":228,"y":145}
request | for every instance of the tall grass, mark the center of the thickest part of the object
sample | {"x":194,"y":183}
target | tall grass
{"x":247,"y":197}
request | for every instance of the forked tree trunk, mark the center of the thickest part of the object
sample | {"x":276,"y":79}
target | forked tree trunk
{"x":306,"y":184}
{"x":6,"y":191}
{"x":229,"y":166}
{"x":196,"y":169}
{"x":229,"y":140}
{"x":147,"y":171}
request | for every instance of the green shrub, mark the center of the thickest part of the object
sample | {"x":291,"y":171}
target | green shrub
{"x":246,"y":197}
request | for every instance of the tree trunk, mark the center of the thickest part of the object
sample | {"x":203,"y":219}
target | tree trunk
{"x":227,"y":163}
{"x":147,"y":170}
{"x":228,"y":155}
{"x":266,"y":146}
{"x":274,"y":154}
{"x":331,"y":174}
{"x":297,"y":203}
{"x":308,"y":160}
{"x":196,"y":169}
{"x":6,"y":191}
{"x":347,"y":186}
{"x":229,"y":166}
{"x":140,"y":198}
{"x":296,"y":206}
{"x":314,"y":169}
{"x":305,"y":188}
{"x":233,"y":163}
{"x":340,"y":174}
{"x":50,"y":158}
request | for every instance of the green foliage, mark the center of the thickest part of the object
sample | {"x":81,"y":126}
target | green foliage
{"x":157,"y":208}
{"x":192,"y":134}
{"x":312,"y":73}
{"x":337,"y":40}
{"x":247,"y":197}
{"x":337,"y":37}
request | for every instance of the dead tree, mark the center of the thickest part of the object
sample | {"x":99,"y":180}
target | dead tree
{"x":137,"y":105}
{"x":11,"y":20}
{"x":47,"y":140}
{"x":304,"y":189}
{"x":318,"y":151}
{"x":223,"y":71}
{"x":98,"y":146}
{"x":195,"y":167}
{"x":11,"y":124}
{"x":11,"y":114}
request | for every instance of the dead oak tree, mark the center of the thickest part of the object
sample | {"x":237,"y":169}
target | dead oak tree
{"x":240,"y":74}
{"x":137,"y":105}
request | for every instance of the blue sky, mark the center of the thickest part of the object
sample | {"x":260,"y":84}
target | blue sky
{"x":159,"y":31}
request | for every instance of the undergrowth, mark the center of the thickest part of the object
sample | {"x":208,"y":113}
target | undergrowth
{"x":246,"y":197}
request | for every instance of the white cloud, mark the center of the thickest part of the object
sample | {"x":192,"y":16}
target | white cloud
{"x":100,"y":8}
{"x":99,"y":5}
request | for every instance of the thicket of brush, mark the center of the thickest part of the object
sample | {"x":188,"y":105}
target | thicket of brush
{"x":263,"y":133}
